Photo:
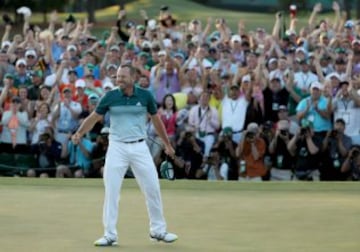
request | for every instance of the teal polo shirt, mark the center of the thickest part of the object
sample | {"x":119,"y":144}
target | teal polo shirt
{"x":128,"y":114}
{"x":319,"y":123}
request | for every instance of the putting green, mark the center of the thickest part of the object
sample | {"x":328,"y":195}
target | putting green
{"x":65,"y":215}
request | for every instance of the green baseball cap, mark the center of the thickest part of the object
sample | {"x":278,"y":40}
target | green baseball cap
{"x":8,"y":76}
{"x":227,"y":131}
{"x":130,"y":46}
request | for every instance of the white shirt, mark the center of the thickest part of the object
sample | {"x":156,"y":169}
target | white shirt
{"x":303,"y":80}
{"x":233,"y":113}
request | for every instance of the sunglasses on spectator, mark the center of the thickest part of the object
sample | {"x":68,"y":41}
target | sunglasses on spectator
{"x":21,"y":66}
{"x":30,"y":57}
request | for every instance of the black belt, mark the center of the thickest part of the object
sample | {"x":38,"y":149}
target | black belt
{"x":136,"y":141}
{"x":64,"y":131}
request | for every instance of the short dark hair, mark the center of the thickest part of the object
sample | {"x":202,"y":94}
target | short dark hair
{"x":131,"y":68}
{"x":340,"y":120}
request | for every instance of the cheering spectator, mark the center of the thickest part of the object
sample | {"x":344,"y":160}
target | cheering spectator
{"x":15,"y":123}
{"x":315,"y":109}
{"x":205,"y":121}
{"x":65,"y":117}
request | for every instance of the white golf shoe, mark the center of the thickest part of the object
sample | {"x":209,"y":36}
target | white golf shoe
{"x":164,"y":237}
{"x":105,"y":241}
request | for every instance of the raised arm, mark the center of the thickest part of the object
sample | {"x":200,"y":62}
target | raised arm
{"x":87,"y":125}
{"x":317,"y":8}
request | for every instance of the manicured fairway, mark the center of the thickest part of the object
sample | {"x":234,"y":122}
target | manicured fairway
{"x":65,"y":215}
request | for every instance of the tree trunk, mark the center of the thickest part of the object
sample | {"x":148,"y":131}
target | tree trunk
{"x":347,"y":7}
{"x":357,"y":9}
{"x":90,"y":8}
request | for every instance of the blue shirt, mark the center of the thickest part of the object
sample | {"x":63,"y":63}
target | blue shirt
{"x":319,"y":123}
{"x":77,"y":157}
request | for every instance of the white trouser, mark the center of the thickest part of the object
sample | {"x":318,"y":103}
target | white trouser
{"x":280,"y":175}
{"x":208,"y":141}
{"x":118,"y":159}
{"x":237,"y":137}
{"x":252,"y":179}
{"x":223,"y":170}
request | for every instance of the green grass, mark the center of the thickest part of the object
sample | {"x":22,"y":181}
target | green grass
{"x":184,"y":11}
{"x":65,"y":215}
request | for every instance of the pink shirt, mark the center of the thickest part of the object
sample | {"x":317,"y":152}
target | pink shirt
{"x":206,"y":120}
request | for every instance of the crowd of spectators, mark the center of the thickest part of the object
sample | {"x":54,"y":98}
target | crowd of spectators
{"x":236,"y":104}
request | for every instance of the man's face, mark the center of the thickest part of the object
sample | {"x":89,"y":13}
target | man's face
{"x":283,"y":114}
{"x":124,"y":78}
{"x":315,"y":93}
{"x":339,"y":127}
{"x":144,"y":82}
{"x":21,"y":69}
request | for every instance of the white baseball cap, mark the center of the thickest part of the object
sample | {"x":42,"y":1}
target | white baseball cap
{"x":246,"y":78}
{"x":80,"y":83}
{"x":235,"y":38}
{"x":162,"y":53}
{"x":30,"y":52}
{"x":71,"y":48}
{"x":108,"y":84}
{"x":50,"y":80}
{"x":21,"y":62}
{"x":317,"y":85}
